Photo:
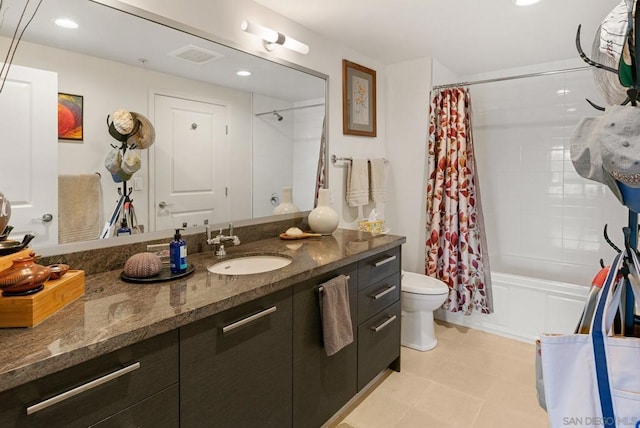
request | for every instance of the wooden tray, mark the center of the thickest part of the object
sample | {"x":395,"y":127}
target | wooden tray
{"x":7,"y":261}
{"x":29,"y":311}
{"x":304,"y":235}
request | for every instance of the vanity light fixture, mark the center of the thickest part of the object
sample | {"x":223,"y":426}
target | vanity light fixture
{"x":243,"y":73}
{"x":526,"y":2}
{"x":272,"y":38}
{"x":66,"y":23}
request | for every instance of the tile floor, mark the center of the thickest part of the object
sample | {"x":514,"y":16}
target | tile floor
{"x":472,"y":379}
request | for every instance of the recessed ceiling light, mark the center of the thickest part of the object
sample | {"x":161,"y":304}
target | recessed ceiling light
{"x":526,"y":2}
{"x":243,"y":73}
{"x":562,"y":91}
{"x":66,"y":23}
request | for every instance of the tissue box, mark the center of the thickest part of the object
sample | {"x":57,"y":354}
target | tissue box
{"x":376,"y":226}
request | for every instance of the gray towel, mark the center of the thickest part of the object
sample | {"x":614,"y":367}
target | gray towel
{"x":335,"y":314}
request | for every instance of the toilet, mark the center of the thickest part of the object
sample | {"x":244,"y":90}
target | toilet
{"x":421,"y":295}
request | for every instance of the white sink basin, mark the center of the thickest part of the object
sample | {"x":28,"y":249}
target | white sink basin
{"x":250,"y":264}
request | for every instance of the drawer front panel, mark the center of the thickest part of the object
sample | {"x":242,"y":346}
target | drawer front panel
{"x":158,"y":411}
{"x":378,"y":343}
{"x":235,"y":367}
{"x":92,"y":391}
{"x":378,"y":267}
{"x":373,"y":299}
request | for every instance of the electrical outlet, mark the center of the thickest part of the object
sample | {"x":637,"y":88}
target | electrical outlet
{"x":137,"y":183}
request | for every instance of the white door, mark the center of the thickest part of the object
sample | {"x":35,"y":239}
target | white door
{"x":191,"y":162}
{"x":29,"y":144}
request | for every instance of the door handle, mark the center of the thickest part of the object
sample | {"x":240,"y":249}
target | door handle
{"x":46,"y":218}
{"x":164,"y":205}
{"x":82,"y":388}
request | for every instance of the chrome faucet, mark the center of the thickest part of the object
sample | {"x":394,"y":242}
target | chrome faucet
{"x":220,"y":239}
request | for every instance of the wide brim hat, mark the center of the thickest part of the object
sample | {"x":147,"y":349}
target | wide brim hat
{"x":145,"y":135}
{"x":120,"y":121}
{"x":608,"y":83}
{"x":620,"y":143}
{"x":586,"y":154}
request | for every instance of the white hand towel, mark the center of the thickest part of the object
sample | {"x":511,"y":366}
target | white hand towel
{"x":378,"y":182}
{"x":357,"y":183}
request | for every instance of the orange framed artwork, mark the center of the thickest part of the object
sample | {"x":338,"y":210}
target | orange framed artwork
{"x":70,"y":112}
{"x":358,"y":100}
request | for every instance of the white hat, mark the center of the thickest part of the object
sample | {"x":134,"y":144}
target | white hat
{"x":113,"y":160}
{"x":130,"y":162}
{"x":122,"y":121}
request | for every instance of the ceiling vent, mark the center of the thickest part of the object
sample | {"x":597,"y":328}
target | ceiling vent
{"x":195,"y":55}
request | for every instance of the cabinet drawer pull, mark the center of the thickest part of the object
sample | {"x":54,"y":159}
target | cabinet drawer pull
{"x":383,"y":293}
{"x":384,"y":324}
{"x":383,"y":261}
{"x":82,"y":388}
{"x":247,"y":320}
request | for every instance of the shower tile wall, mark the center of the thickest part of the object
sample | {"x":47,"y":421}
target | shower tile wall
{"x":543,"y":219}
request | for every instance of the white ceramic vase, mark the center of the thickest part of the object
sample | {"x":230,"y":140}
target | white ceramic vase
{"x":323,"y":219}
{"x":286,"y":203}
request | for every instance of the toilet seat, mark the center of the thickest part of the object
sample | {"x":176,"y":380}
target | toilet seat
{"x":420,"y":284}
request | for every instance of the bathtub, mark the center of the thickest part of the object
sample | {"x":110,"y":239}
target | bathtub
{"x":524,"y":307}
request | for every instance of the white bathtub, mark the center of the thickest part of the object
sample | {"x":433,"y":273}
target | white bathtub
{"x":524,"y":307}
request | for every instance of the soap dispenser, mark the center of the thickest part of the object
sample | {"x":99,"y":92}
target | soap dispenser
{"x":178,"y":253}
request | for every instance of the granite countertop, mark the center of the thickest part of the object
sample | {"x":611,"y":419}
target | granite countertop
{"x":113,"y":314}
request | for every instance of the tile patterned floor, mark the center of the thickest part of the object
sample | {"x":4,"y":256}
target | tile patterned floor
{"x":472,"y":379}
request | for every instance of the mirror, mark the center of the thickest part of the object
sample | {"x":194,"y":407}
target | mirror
{"x":262,"y":132}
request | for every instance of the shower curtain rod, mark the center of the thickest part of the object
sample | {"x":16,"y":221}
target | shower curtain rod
{"x":287,"y":109}
{"x":519,"y":76}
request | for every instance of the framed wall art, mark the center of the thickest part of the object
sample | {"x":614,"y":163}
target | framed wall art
{"x":70,"y":111}
{"x":358,"y":100}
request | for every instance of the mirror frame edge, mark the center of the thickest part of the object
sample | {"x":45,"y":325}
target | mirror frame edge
{"x":60,"y":249}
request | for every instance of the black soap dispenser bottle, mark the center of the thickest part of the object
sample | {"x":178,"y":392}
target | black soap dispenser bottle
{"x":178,"y":253}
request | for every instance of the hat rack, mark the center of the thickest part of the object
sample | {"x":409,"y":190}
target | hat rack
{"x":124,"y":205}
{"x":630,"y":196}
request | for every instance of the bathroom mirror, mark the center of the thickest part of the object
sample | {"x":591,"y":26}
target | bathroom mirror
{"x":267,"y":126}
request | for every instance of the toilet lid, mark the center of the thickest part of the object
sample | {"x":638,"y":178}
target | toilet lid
{"x":422,"y":284}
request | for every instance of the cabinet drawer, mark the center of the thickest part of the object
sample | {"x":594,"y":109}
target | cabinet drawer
{"x":158,"y":411}
{"x":90,"y":392}
{"x":378,"y":267}
{"x":235,"y":367}
{"x":378,"y":343}
{"x":377,"y":297}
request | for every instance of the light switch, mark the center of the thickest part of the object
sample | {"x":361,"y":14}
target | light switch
{"x":137,"y":183}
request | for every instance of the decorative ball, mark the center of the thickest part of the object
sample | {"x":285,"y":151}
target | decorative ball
{"x":142,"y":265}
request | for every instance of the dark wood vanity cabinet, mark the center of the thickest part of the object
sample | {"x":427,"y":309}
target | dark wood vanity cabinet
{"x":321,"y":384}
{"x":379,"y":314}
{"x":235,"y":367}
{"x":121,"y":388}
{"x":260,"y":364}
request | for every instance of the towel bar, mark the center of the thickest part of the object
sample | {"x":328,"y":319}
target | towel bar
{"x":335,"y":159}
{"x":321,"y":288}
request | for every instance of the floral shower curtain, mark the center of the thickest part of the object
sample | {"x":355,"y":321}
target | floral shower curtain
{"x":456,"y":250}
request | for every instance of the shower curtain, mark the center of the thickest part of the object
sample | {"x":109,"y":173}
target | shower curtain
{"x":456,"y":245}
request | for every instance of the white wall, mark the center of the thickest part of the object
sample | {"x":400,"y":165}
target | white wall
{"x":407,"y":87}
{"x":128,"y":87}
{"x":222,"y":19}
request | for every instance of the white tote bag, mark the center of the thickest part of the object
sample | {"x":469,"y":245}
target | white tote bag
{"x":594,"y":379}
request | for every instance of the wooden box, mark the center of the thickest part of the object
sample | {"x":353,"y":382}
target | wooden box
{"x":29,"y":311}
{"x":7,"y":261}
